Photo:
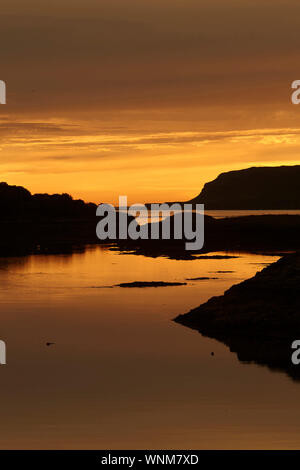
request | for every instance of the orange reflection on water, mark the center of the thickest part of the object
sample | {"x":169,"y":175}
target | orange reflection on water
{"x":121,"y":374}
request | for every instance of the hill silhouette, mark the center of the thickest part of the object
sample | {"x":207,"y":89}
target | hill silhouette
{"x":43,"y":223}
{"x":17,"y":202}
{"x":253,"y":188}
{"x":268,"y":233}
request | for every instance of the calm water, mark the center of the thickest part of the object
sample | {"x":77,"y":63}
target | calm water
{"x":242,"y":213}
{"x":145,"y":217}
{"x":122,"y":374}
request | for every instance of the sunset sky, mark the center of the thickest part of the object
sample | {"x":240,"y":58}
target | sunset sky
{"x":146,"y":98}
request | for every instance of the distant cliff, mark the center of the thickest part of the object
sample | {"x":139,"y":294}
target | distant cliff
{"x":253,"y":188}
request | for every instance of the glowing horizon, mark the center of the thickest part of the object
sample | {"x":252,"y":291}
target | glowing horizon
{"x":147,"y":100}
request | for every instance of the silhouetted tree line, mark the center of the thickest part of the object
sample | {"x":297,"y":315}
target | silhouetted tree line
{"x":17,"y":202}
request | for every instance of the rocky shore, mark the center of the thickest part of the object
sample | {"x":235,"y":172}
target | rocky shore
{"x":267,"y":304}
{"x":258,"y":318}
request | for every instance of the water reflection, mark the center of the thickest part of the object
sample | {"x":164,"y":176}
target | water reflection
{"x":121,"y":373}
{"x":274,"y":353}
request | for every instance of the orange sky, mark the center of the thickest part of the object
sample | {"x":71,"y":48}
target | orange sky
{"x":145,"y":98}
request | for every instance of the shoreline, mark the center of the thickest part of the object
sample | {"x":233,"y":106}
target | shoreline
{"x":259,"y":318}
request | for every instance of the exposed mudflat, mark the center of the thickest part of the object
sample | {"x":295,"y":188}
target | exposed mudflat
{"x":150,"y":284}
